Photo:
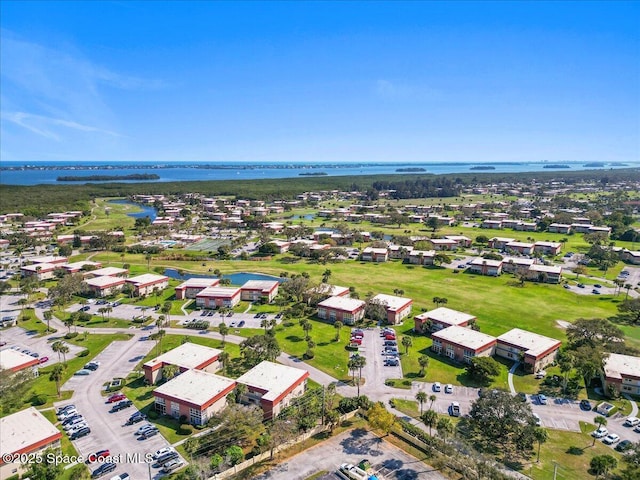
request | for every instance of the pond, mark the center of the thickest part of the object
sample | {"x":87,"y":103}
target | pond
{"x":147,"y":210}
{"x":239,"y":278}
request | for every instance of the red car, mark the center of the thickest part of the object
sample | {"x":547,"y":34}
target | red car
{"x":356,"y":340}
{"x":116,"y":397}
{"x":43,"y":360}
{"x":389,"y":337}
{"x":99,"y":454}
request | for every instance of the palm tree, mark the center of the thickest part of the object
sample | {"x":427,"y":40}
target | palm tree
{"x":357,"y":363}
{"x":56,"y":347}
{"x":108,"y":310}
{"x":158,"y":338}
{"x":338,"y":325}
{"x":429,"y":418}
{"x":445,"y":427}
{"x":122,"y":258}
{"x":423,"y":361}
{"x":264,"y":324}
{"x":224,"y":330}
{"x":421,"y":396}
{"x":627,"y":286}
{"x":48,"y":315}
{"x":601,"y":422}
{"x":57,"y":375}
{"x":148,"y":257}
{"x":69,"y":323}
{"x":432,"y":398}
{"x":541,"y":436}
{"x":406,"y":342}
{"x":224,"y":360}
{"x":307,"y":327}
{"x":64,"y":349}
{"x":326,"y":275}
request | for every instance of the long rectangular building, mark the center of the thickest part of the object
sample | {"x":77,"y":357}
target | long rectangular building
{"x":536,"y":351}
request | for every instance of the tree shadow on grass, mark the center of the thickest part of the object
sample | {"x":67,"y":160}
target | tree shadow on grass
{"x":573,"y":450}
{"x":294,"y":338}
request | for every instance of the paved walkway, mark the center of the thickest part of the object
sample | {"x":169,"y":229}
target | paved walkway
{"x":634,"y":405}
{"x":512,"y":370}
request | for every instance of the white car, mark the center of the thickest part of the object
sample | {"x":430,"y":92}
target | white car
{"x":144,"y":428}
{"x":632,"y":422}
{"x":600,"y":432}
{"x":448,"y":388}
{"x":537,"y":418}
{"x":163,"y":451}
{"x":611,"y":439}
{"x":437,"y":387}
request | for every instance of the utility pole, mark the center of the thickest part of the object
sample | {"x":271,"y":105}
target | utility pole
{"x":323,"y":403}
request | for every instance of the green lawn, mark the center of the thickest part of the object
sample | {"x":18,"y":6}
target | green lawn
{"x":498,"y":304}
{"x":571,"y":451}
{"x":32,"y":323}
{"x":409,"y":407}
{"x":94,"y":343}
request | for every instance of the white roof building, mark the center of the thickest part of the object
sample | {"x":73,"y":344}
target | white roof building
{"x":531,"y":343}
{"x":272,"y":378}
{"x":447,"y":316}
{"x":187,"y":355}
{"x":346,"y":304}
{"x":196,"y":387}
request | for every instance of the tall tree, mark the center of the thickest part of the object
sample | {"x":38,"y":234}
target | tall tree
{"x":223,"y":329}
{"x":541,"y":435}
{"x":338,"y":326}
{"x":430,"y":419}
{"x":380,"y":418}
{"x":423,"y":361}
{"x":421,"y":397}
{"x":56,"y":375}
{"x":406,"y":343}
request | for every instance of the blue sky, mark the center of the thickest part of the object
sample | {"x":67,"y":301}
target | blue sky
{"x":313,"y":81}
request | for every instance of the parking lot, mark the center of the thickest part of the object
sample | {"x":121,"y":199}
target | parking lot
{"x":237,"y":320}
{"x":24,"y":339}
{"x":375,"y":369}
{"x":352,"y":447}
{"x":107,"y":429}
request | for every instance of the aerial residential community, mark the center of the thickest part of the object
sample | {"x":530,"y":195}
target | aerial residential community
{"x":319,"y":240}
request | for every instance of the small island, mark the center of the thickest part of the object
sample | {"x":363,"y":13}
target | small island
{"x":483,"y":167}
{"x":313,"y":174}
{"x":107,"y":178}
{"x":556,"y":165}
{"x":594,"y":164}
{"x":411,"y":169}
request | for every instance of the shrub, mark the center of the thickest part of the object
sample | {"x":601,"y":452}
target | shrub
{"x":182,"y":419}
{"x":152,"y":414}
{"x":309,"y":354}
{"x":39,"y":400}
{"x":84,"y":353}
{"x":70,"y":335}
{"x":184,"y":429}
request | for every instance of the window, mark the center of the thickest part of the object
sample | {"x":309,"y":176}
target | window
{"x":175,"y":409}
{"x":195,"y":416}
{"x":160,"y":406}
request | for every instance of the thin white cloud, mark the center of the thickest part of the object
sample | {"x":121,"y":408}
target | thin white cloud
{"x":38,"y":124}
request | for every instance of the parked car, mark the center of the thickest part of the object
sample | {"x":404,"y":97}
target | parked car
{"x":566,"y":285}
{"x":99,"y":454}
{"x":148,"y":433}
{"x":437,"y":387}
{"x":172,"y":466}
{"x":144,"y":427}
{"x":80,"y":433}
{"x":122,"y":476}
{"x":600,"y":432}
{"x":43,"y":360}
{"x":356,"y":341}
{"x":166,"y":458}
{"x":92,"y":366}
{"x":70,"y":419}
{"x":103,"y":470}
{"x":611,"y":439}
{"x":454,"y":409}
{"x":241,"y":324}
{"x":158,"y":453}
{"x":537,"y":419}
{"x":116,"y":397}
{"x":585,"y":405}
{"x":542,"y":399}
{"x":595,"y":291}
{"x":83,"y":372}
{"x":448,"y":388}
{"x":624,"y":445}
{"x":64,"y":409}
{"x":121,"y":405}
{"x":73,"y":424}
{"x":597,"y":285}
{"x":581,"y":285}
{"x":391,"y":362}
{"x":632,"y":421}
{"x":67,"y":413}
{"x":135,"y":418}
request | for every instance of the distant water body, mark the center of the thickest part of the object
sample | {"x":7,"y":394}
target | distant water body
{"x":20,"y":173}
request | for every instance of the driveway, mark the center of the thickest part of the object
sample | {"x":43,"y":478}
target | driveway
{"x":352,"y":447}
{"x":18,"y":336}
{"x":107,"y":429}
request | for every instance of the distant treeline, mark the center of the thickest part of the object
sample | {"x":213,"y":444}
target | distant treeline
{"x":107,"y":178}
{"x":41,"y":199}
